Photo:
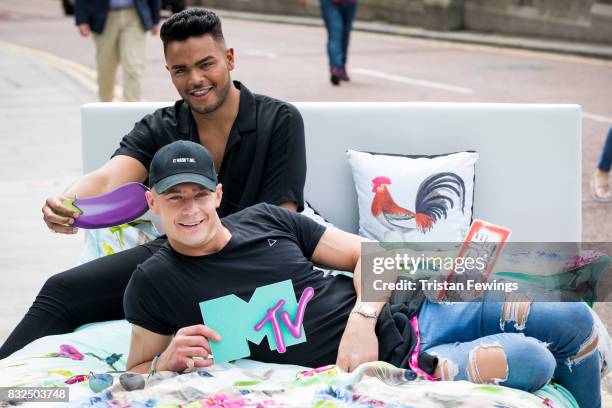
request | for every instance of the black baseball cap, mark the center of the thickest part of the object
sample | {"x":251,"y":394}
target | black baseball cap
{"x":182,"y":162}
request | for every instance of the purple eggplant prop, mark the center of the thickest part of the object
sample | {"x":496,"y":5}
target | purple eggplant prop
{"x":119,"y":206}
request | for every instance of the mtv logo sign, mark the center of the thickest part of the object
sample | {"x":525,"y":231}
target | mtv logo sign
{"x":239,"y":322}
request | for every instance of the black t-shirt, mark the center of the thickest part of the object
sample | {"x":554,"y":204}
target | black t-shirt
{"x":265,"y":155}
{"x":165,"y":291}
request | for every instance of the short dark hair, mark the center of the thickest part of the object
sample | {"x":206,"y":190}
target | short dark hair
{"x":191,"y":22}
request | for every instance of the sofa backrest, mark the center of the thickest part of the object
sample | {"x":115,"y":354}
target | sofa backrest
{"x":528,"y":177}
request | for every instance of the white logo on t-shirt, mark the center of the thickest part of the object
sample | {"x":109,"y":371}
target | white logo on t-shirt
{"x":271,"y":241}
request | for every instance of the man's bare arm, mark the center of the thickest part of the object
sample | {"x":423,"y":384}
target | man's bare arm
{"x":337,"y":249}
{"x":290,"y":205}
{"x":340,"y":250}
{"x":116,"y":172}
{"x":175,"y":352}
{"x":144,"y":346}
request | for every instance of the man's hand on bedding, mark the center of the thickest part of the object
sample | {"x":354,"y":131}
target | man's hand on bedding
{"x":189,"y":342}
{"x":59,"y":217}
{"x":359,"y":343}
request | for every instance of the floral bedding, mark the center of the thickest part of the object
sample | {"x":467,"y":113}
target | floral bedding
{"x":67,"y":360}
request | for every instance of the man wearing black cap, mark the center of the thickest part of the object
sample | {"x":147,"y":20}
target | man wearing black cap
{"x":257,"y":145}
{"x":207,"y":257}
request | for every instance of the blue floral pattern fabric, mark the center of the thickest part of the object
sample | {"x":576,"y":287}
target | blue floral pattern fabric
{"x":107,"y":241}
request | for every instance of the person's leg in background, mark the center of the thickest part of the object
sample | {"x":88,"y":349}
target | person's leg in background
{"x":600,"y":187}
{"x":107,"y":56}
{"x":567,"y":329}
{"x":348,"y":16}
{"x":334,"y":25}
{"x":132,"y":54}
{"x":91,"y":292}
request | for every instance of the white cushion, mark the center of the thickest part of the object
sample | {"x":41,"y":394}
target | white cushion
{"x":414,"y":198}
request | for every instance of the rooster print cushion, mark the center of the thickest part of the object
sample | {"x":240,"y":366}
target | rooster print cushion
{"x":414,"y":198}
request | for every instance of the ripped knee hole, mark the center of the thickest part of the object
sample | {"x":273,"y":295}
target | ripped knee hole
{"x":487,"y":365}
{"x":588,"y":347}
{"x":516,"y":309}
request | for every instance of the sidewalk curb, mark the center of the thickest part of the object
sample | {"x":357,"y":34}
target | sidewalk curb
{"x":467,"y":37}
{"x":85,"y":76}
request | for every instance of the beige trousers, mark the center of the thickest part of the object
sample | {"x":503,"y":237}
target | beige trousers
{"x":122,"y":41}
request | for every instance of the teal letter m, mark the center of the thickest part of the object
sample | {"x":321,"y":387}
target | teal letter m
{"x":235,"y":320}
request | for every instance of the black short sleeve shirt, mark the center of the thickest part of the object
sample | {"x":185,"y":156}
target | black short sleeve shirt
{"x":265,"y":155}
{"x":165,"y":291}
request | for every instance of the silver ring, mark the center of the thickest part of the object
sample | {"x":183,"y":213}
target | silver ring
{"x":190,"y":363}
{"x":208,"y":357}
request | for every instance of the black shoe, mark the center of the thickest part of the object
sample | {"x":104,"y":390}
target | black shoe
{"x":334,"y":76}
{"x":343,"y":75}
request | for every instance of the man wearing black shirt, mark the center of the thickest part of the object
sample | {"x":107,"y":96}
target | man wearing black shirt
{"x":207,"y":257}
{"x":257,"y":144}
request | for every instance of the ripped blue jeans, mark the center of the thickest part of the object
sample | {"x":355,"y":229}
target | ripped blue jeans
{"x":538,"y":341}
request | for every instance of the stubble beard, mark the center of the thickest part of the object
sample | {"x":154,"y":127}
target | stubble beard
{"x":223,"y":92}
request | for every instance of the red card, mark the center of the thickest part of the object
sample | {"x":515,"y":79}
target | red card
{"x":485,"y":240}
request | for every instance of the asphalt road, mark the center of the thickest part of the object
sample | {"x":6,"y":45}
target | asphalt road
{"x":285,"y":61}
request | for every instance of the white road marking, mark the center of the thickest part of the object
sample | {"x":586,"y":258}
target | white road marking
{"x":411,"y":81}
{"x":258,"y":53}
{"x":597,"y":118}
